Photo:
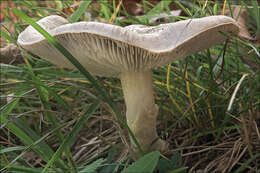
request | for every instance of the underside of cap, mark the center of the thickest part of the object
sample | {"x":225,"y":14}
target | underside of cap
{"x":108,"y":50}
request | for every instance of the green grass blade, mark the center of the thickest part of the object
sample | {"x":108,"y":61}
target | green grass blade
{"x":93,"y":166}
{"x":80,"y":11}
{"x":105,"y":10}
{"x":186,"y":10}
{"x":146,"y":164}
{"x":45,"y":102}
{"x":10,"y":149}
{"x":31,"y":146}
{"x":24,"y":169}
{"x":179,"y":170}
{"x":158,"y":8}
{"x":58,"y":98}
{"x":256,"y":14}
{"x":74,"y":61}
{"x":244,"y":165}
{"x":6,"y":36}
{"x":41,"y":87}
{"x":69,"y":140}
{"x":43,"y":150}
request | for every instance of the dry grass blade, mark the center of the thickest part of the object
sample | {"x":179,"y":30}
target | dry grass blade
{"x":235,"y":92}
{"x":115,"y":12}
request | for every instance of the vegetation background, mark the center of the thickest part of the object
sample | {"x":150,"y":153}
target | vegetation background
{"x":54,"y":120}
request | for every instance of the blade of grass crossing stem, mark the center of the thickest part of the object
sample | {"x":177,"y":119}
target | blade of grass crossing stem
{"x":74,"y":61}
{"x":80,"y":11}
{"x":69,"y":140}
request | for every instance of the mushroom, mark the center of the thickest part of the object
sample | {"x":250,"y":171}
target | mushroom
{"x":129,"y":53}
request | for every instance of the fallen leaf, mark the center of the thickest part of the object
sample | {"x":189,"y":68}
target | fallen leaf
{"x":241,"y":15}
{"x":10,"y":53}
{"x":133,"y":7}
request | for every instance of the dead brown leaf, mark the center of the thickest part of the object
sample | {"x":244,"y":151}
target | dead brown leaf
{"x":10,"y":53}
{"x":241,"y":15}
{"x":133,"y":7}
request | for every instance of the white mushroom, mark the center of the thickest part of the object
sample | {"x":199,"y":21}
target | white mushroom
{"x":129,"y":53}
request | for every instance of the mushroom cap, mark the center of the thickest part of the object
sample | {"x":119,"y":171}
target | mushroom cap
{"x":108,"y":50}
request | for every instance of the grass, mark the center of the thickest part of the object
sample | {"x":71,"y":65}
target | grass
{"x":60,"y":120}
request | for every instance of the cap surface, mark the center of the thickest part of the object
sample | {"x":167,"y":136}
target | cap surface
{"x":107,"y":50}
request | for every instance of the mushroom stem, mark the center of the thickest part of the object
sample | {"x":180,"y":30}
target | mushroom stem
{"x":141,"y":111}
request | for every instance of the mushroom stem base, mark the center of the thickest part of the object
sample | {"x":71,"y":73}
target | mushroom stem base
{"x":141,"y":111}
